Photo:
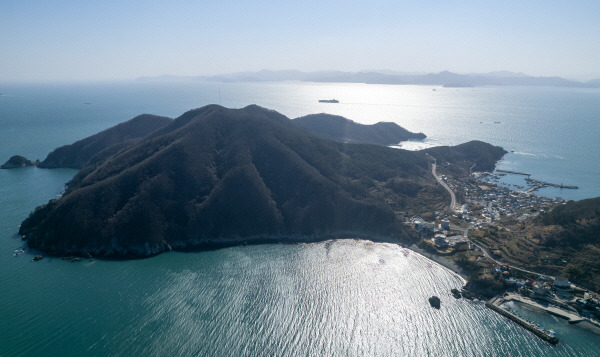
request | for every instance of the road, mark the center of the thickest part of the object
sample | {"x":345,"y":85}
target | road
{"x":441,"y":182}
{"x":466,"y":230}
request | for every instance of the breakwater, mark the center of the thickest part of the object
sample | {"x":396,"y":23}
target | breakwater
{"x":494,"y":305}
{"x":544,"y":183}
{"x":513,"y":172}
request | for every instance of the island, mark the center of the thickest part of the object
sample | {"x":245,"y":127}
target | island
{"x":17,"y":161}
{"x":216,"y":177}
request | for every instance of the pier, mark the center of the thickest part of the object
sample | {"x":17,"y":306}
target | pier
{"x":495,"y":303}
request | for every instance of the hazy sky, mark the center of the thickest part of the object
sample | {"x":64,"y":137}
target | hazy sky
{"x":75,"y":40}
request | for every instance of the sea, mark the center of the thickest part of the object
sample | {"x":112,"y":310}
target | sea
{"x":346,"y":297}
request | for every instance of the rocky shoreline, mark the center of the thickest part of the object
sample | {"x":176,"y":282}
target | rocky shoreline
{"x":116,"y":252}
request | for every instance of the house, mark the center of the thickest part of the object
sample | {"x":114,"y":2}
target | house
{"x":440,"y":240}
{"x":446,"y":224}
{"x":562,"y":283}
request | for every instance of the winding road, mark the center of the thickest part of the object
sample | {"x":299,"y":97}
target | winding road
{"x":466,"y":230}
{"x":441,"y":182}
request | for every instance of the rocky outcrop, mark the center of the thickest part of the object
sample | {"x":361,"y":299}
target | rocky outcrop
{"x":455,"y":293}
{"x":435,"y":302}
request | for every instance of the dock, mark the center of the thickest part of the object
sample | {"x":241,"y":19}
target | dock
{"x":495,"y":303}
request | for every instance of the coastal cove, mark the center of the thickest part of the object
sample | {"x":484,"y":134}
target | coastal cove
{"x":346,"y":296}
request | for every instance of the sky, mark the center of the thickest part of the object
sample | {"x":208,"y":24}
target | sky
{"x":115,"y":40}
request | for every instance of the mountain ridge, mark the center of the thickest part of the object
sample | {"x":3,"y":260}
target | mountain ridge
{"x":443,"y":78}
{"x":215,"y":176}
{"x":338,"y":128}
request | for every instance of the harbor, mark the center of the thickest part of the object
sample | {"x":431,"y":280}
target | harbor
{"x":535,"y":184}
{"x":495,"y":304}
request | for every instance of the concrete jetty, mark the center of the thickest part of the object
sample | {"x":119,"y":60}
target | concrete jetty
{"x":544,"y":183}
{"x":513,"y":172}
{"x":495,"y":303}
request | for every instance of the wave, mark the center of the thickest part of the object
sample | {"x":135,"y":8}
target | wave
{"x":415,"y":145}
{"x":525,"y":153}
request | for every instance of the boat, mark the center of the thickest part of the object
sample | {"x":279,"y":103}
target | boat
{"x":328,"y":101}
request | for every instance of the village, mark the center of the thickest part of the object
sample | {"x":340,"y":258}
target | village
{"x":490,"y":206}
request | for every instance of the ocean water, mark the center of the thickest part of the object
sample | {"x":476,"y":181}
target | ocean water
{"x":551,"y":133}
{"x":340,"y":298}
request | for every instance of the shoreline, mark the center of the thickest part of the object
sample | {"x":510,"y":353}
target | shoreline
{"x":443,"y":261}
{"x":224,"y":243}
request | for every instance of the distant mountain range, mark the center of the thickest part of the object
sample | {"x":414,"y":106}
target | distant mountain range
{"x":445,"y":78}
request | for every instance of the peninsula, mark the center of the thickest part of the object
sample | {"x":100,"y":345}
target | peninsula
{"x":341,"y":129}
{"x":216,"y":177}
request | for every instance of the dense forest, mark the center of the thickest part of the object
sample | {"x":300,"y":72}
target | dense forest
{"x":217,"y":175}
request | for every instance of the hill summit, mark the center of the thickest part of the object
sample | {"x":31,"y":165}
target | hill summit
{"x":217,"y":176}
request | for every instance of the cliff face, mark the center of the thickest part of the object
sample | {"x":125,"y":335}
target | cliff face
{"x":77,"y":154}
{"x":215,"y":176}
{"x":344,"y":130}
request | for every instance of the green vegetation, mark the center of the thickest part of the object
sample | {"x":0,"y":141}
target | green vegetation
{"x":218,"y":176}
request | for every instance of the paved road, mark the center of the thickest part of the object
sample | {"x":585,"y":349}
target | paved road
{"x":465,"y":231}
{"x":441,"y":182}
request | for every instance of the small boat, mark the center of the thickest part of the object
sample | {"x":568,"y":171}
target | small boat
{"x":328,"y":101}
